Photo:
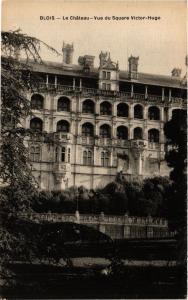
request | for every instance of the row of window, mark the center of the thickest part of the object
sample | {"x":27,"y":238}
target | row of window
{"x":88,"y":106}
{"x":36,"y":124}
{"x":64,"y":155}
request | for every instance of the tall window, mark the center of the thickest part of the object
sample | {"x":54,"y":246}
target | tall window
{"x":63,"y":104}
{"x":105,"y":108}
{"x":35,"y":153}
{"x":62,"y":126}
{"x":138,"y":111}
{"x":153,"y":135}
{"x":122,"y":110}
{"x":88,"y":107}
{"x":138,"y":135}
{"x":69,"y":155}
{"x":105,"y":159}
{"x":56,"y":154}
{"x":104,"y":74}
{"x":36,"y":124}
{"x":154,"y":113}
{"x":108,"y":86}
{"x":63,"y":154}
{"x":105,"y":131}
{"x":37,"y":101}
{"x":87,"y":129}
{"x":87,"y":158}
{"x":122,"y":133}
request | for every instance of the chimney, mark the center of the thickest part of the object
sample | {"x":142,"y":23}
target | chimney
{"x":176,"y":73}
{"x":67,"y":50}
{"x":133,"y":67}
{"x":103,"y":58}
{"x":86,"y":61}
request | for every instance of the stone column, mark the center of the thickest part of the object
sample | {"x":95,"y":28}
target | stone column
{"x":140,"y":164}
{"x":146,"y":92}
{"x":170,"y":92}
{"x":162,"y":114}
{"x":97,"y":107}
{"x":97,"y":128}
{"x":130,"y":132}
{"x":163,"y":95}
{"x":73,"y":84}
{"x":132,"y":90}
{"x":145,"y":115}
{"x":46,"y":124}
{"x":55,"y":82}
{"x":131,"y":111}
{"x":113,"y":130}
{"x":80,"y":84}
{"x":47,"y":80}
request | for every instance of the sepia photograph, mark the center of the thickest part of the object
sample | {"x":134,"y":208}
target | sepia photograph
{"x":93,"y":149}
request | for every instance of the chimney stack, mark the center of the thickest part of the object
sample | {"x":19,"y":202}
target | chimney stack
{"x":67,"y":50}
{"x":86,"y":61}
{"x":176,"y":73}
{"x":133,"y":67}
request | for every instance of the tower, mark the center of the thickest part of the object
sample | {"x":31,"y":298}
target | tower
{"x":133,"y":67}
{"x":67,"y":50}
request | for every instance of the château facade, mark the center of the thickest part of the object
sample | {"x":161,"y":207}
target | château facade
{"x":101,"y":121}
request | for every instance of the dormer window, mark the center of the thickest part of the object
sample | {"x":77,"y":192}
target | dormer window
{"x":106,"y":75}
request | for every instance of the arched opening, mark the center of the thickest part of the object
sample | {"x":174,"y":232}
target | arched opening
{"x":138,"y":111}
{"x":105,"y":108}
{"x":122,"y":110}
{"x":153,"y":113}
{"x":138,"y":134}
{"x":87,"y":129}
{"x":63,"y":104}
{"x":153,"y":135}
{"x":122,"y":133}
{"x":88,"y":107}
{"x":37,"y":101}
{"x":105,"y":131}
{"x":63,"y":126}
{"x":36,"y":124}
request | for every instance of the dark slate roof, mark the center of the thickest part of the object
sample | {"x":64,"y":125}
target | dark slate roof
{"x":76,"y":70}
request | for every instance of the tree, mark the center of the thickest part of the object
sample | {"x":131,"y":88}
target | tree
{"x":18,"y":185}
{"x":176,"y":133}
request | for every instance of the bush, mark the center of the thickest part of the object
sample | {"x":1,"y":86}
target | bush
{"x":149,"y":197}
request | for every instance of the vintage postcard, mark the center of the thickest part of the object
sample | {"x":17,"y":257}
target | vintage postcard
{"x":93,"y":149}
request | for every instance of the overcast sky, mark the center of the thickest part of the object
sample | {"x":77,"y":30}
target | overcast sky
{"x":160,"y":44}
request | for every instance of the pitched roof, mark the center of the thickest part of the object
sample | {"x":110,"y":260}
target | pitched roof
{"x":77,"y":70}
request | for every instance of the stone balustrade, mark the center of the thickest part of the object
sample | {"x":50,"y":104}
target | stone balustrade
{"x":116,"y":227}
{"x":93,"y":92}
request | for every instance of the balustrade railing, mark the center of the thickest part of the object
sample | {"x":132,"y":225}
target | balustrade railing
{"x":95,"y":219}
{"x":153,"y":145}
{"x":93,"y":91}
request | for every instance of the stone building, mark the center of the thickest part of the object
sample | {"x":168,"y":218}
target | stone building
{"x":101,"y":120}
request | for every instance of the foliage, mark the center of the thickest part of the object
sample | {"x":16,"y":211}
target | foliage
{"x":176,"y":133}
{"x":136,"y":198}
{"x":18,"y":185}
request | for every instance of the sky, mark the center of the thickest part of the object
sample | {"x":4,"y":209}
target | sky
{"x":160,"y":44}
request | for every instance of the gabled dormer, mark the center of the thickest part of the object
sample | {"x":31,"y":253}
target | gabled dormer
{"x":108,"y":73}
